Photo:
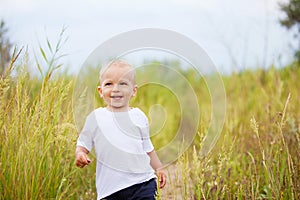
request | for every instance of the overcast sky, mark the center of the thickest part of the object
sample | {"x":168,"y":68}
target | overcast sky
{"x":236,"y":34}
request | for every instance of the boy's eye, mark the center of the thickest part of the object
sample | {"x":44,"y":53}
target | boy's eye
{"x":123,"y":83}
{"x":107,"y":84}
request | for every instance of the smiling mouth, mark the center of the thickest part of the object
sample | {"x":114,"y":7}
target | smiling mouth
{"x":116,"y":97}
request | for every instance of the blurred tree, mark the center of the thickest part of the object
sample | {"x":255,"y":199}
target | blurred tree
{"x":292,"y":11}
{"x":5,"y":47}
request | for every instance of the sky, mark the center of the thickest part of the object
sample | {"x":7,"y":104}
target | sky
{"x":236,"y":34}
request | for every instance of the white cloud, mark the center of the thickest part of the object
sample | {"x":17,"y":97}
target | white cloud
{"x":18,"y":6}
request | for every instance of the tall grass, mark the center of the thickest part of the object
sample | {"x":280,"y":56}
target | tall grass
{"x":258,"y":154}
{"x":256,"y":157}
{"x":38,"y":136}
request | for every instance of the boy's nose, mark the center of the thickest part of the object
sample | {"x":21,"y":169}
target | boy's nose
{"x":115,"y":88}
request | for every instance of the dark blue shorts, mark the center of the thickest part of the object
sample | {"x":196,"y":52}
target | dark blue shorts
{"x":141,"y":191}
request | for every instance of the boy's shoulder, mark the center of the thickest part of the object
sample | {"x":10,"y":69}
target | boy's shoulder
{"x":139,"y":116}
{"x":97,"y":111}
{"x":103,"y":111}
{"x":100,"y":109}
{"x":135,"y":110}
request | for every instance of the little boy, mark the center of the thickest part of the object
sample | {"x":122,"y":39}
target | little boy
{"x":126,"y":159}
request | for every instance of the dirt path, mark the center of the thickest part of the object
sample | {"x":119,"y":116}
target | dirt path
{"x":174,"y":189}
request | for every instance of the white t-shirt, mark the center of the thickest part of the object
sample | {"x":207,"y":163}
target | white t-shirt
{"x":121,"y":142}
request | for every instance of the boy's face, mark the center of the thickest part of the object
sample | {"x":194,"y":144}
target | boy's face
{"x":117,"y":86}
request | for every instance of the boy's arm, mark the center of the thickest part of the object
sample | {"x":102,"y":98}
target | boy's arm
{"x":157,"y":166}
{"x":81,"y":157}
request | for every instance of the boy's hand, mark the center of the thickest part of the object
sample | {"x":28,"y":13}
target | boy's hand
{"x":157,"y":166}
{"x":162,"y":178}
{"x":82,"y":158}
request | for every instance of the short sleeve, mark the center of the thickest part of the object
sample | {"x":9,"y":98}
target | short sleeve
{"x":86,"y":135}
{"x":147,"y":144}
{"x":144,"y":127}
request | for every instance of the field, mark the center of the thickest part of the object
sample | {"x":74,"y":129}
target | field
{"x":256,"y":157}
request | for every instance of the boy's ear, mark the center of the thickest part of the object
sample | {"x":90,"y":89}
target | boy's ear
{"x":100,"y":91}
{"x":135,"y":87}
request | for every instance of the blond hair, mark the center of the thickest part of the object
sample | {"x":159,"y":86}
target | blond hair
{"x":120,"y":64}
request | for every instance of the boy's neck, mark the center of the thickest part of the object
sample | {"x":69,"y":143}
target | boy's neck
{"x":118,"y":109}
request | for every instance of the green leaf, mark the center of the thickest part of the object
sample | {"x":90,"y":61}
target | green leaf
{"x":38,"y":66}
{"x":49,"y":46}
{"x":43,"y":54}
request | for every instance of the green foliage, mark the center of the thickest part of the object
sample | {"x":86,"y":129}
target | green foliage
{"x":292,"y":19}
{"x":292,"y":11}
{"x":257,"y":156}
{"x":5,"y":47}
